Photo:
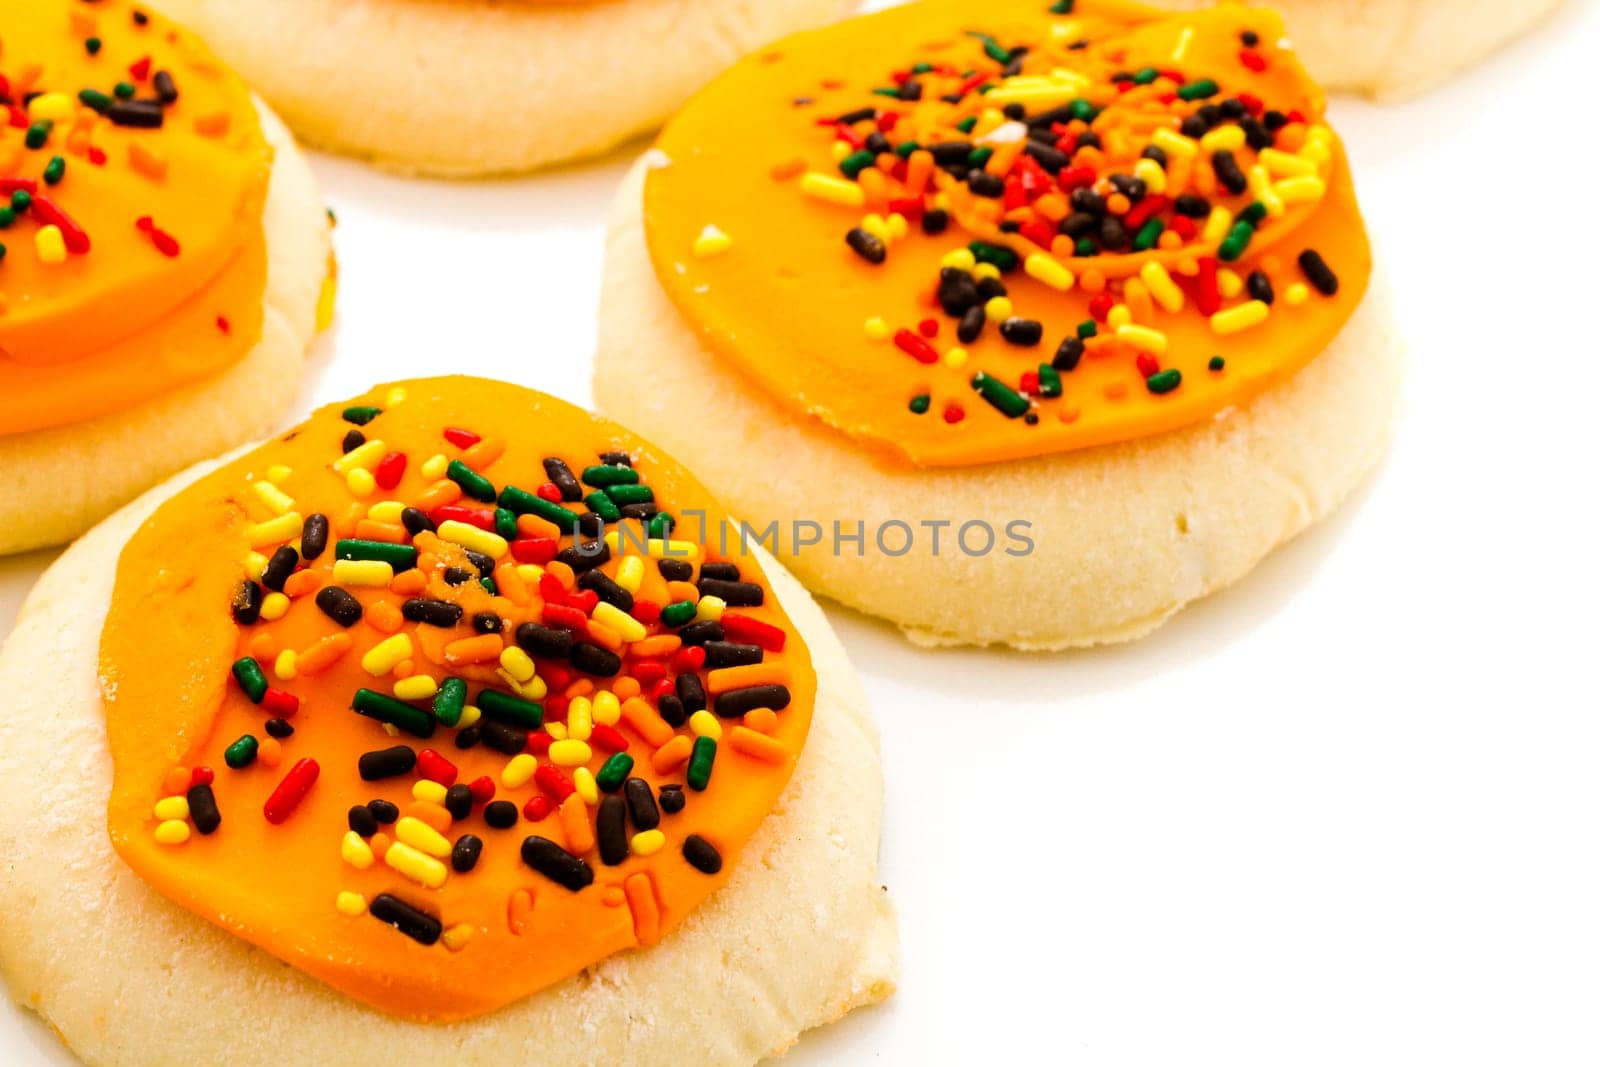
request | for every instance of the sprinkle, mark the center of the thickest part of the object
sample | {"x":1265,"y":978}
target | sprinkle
{"x":1239,"y":318}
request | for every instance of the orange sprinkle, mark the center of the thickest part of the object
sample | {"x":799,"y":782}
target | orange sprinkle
{"x":562,"y":571}
{"x":578,"y":687}
{"x":511,"y":586}
{"x":519,"y":910}
{"x":387,"y":532}
{"x":379,"y":843}
{"x":625,"y":687}
{"x":762,"y":720}
{"x":270,"y":752}
{"x":789,"y":168}
{"x":483,"y":648}
{"x":383,"y":616}
{"x":575,"y":825}
{"x":534,"y":526}
{"x":323,"y":654}
{"x":672,"y":755}
{"x":646,"y":722}
{"x":641,"y":892}
{"x":677,"y":591}
{"x":408,"y":583}
{"x":438,"y":495}
{"x":605,"y":636}
{"x":300,"y":583}
{"x":176,"y":781}
{"x":264,"y":647}
{"x":484,"y":453}
{"x":147,"y":162}
{"x":726,"y":678}
{"x":756,"y":745}
{"x":659,"y":645}
{"x":432,"y":814}
{"x":212,"y":125}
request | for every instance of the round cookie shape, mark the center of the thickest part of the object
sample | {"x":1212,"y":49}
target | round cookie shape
{"x":1008,"y":236}
{"x":134,"y":173}
{"x":427,"y":698}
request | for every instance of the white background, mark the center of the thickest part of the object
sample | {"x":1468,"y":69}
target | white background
{"x":1344,"y":812}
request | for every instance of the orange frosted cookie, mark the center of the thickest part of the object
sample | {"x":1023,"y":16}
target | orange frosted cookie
{"x":1083,"y":288}
{"x":462,"y":88}
{"x":161,"y":255}
{"x":437,"y":699}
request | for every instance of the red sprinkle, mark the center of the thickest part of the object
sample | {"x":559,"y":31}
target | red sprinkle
{"x":202,"y":776}
{"x":739,"y":627}
{"x":291,"y":791}
{"x":482,"y":518}
{"x":538,"y":808}
{"x":461,"y":438}
{"x":140,"y":69}
{"x":915,"y":347}
{"x":554,"y":781}
{"x":280,"y":702}
{"x":1253,"y":59}
{"x":607,"y":738}
{"x":536,"y":550}
{"x":389,"y":470}
{"x":548,"y":491}
{"x":482,"y":789}
{"x":435,"y":768}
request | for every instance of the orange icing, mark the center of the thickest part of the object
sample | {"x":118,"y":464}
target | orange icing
{"x":788,"y":304}
{"x":122,"y":321}
{"x":166,"y":650}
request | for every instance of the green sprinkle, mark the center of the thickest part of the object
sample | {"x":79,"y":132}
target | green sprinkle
{"x":450,"y":700}
{"x":55,"y":170}
{"x":241,"y":753}
{"x":678,"y":613}
{"x":471,"y":482}
{"x":1238,"y":239}
{"x":1083,"y":110}
{"x":360,"y":415}
{"x":905,"y":148}
{"x":1087,"y":329}
{"x":247,"y":672}
{"x":1062,"y":7}
{"x":623,"y":495}
{"x":94,"y":98}
{"x":1254,"y":213}
{"x":1145,"y":75}
{"x":1085,"y":248}
{"x":660,"y":525}
{"x":522,"y":502}
{"x":505,"y":523}
{"x":502,"y":707}
{"x":490,"y":586}
{"x":124,"y":90}
{"x":922,"y":68}
{"x":614,"y":772}
{"x":1005,"y":399}
{"x":1148,"y":234}
{"x":601,"y":505}
{"x":1217,"y":363}
{"x":1197,"y":90}
{"x":1164,"y":381}
{"x":979,"y":156}
{"x":400,"y":557}
{"x":1049,"y":380}
{"x":992,"y":48}
{"x":21,"y":200}
{"x":919,"y":404}
{"x":998,"y":256}
{"x":856,"y":162}
{"x":38,"y":133}
{"x":92,"y":45}
{"x":891,"y":91}
{"x":966,"y":124}
{"x":609,"y":474}
{"x":701,"y":759}
{"x":7,"y":217}
{"x":2,"y":252}
{"x":396,"y":713}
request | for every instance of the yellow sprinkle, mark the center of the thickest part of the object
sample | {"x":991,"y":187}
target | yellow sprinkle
{"x":415,"y":865}
{"x":52,"y":107}
{"x":518,"y":770}
{"x":176,"y":807}
{"x":1154,"y":178}
{"x":279,"y":473}
{"x":387,"y":654}
{"x":557,"y":730}
{"x":585,"y":786}
{"x":274,"y":606}
{"x":416,"y":687}
{"x":172,"y":832}
{"x":1284,"y":165}
{"x":630,"y":572}
{"x":395,"y":395}
{"x":709,"y":609}
{"x":569,"y":753}
{"x":711,"y":242}
{"x":705,"y":724}
{"x":469,"y":716}
{"x":1045,"y":269}
{"x":898,"y":226}
{"x":360,"y":482}
{"x":286,"y":666}
{"x":529,"y":572}
{"x":998,"y":307}
{"x":351,"y":904}
{"x":516,"y":663}
{"x":1300,"y":190}
{"x":471,"y":537}
{"x":355,"y":851}
{"x":1185,"y":37}
{"x":1223,"y":138}
{"x":1217,"y":225}
{"x":365,"y":456}
{"x":1235,"y":319}
{"x":419,"y":835}
{"x":254,"y":564}
{"x":655,"y":547}
{"x":455,"y":939}
{"x":981,"y":271}
{"x":1161,"y":286}
{"x":429,"y":790}
{"x":877,"y":329}
{"x":386,"y":511}
{"x":274,"y":498}
{"x":327,"y":298}
{"x":1119,"y":316}
{"x":955,"y":356}
{"x":647,"y":842}
{"x":610,"y":615}
{"x":434,"y":466}
{"x":580,"y":719}
{"x":875,"y":225}
{"x":960,"y":258}
{"x":274,"y":531}
{"x":362,"y":572}
{"x":1144,"y":338}
{"x":834,"y":190}
{"x":1296,"y":294}
{"x":1261,"y":186}
{"x":606,"y":708}
{"x":1229,"y":283}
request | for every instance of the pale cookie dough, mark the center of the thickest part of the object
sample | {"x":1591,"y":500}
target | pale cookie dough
{"x":801,"y":934}
{"x":1392,"y":49}
{"x":67,"y":478}
{"x":1124,"y":535}
{"x":466,"y":88}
